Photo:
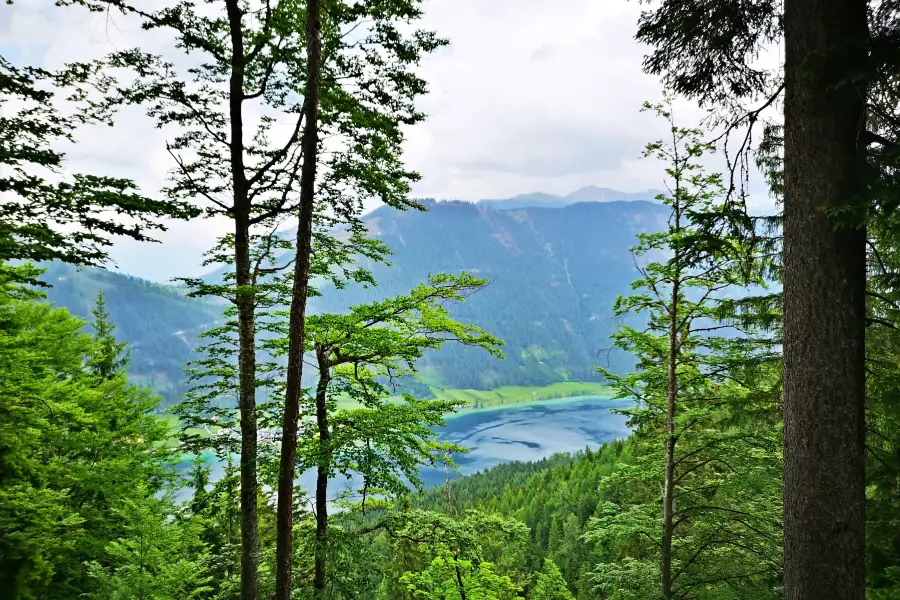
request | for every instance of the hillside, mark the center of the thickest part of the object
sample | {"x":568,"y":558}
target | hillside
{"x":159,"y":323}
{"x":555,"y":497}
{"x":554,"y":274}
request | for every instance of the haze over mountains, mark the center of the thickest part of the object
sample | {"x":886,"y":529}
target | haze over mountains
{"x":590,"y":193}
{"x":555,"y":265}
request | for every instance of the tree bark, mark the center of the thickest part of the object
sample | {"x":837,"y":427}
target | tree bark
{"x":246,"y":314}
{"x":322,"y":470}
{"x":671,"y":405}
{"x":824,"y":302}
{"x":247,"y":409}
{"x":297,"y":319}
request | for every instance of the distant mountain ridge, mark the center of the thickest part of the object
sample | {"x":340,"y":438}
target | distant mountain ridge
{"x":554,"y":275}
{"x":160,"y":324}
{"x":586,"y":194}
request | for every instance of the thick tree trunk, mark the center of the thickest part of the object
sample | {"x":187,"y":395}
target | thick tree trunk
{"x":322,"y":471}
{"x":297,"y":323}
{"x":824,"y":302}
{"x":246,"y":306}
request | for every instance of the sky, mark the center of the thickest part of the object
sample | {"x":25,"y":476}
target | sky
{"x":530,"y":96}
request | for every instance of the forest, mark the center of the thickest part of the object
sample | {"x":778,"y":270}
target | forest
{"x":763,"y":461}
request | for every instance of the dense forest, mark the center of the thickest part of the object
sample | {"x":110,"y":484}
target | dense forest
{"x":763,"y":460}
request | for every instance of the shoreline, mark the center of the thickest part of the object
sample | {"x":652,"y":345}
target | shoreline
{"x":468,"y":411}
{"x":471,"y":411}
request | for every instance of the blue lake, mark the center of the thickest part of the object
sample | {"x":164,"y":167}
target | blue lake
{"x":520,"y":432}
{"x":526,"y":432}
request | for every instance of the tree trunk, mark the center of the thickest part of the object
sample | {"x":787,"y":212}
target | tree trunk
{"x":824,"y":302}
{"x":459,"y":578}
{"x":297,"y":322}
{"x":246,"y":306}
{"x":322,"y":470}
{"x":671,"y":404}
{"x":247,"y":409}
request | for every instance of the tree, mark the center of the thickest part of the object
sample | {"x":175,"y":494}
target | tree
{"x":824,"y":299}
{"x":74,"y":217}
{"x":456,"y":546}
{"x":696,"y":389}
{"x":384,"y":443}
{"x":110,"y":356}
{"x":299,"y":294}
{"x":550,"y":585}
{"x":155,"y":559}
{"x":78,"y":442}
{"x":252,"y":53}
{"x":839,"y":155}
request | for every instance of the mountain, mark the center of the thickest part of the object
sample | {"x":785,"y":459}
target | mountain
{"x":160,"y":324}
{"x":554,"y":274}
{"x":585,"y":194}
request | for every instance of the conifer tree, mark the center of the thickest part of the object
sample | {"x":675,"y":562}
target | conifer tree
{"x":835,"y":153}
{"x":696,"y":392}
{"x":77,"y":442}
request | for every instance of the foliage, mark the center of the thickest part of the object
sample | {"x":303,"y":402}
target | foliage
{"x":550,"y":584}
{"x":155,"y":559}
{"x":703,"y":414}
{"x":160,"y":325}
{"x":78,"y":442}
{"x":47,"y":213}
{"x":555,"y":498}
{"x":449,"y":577}
{"x":882,"y":421}
{"x":457,"y":555}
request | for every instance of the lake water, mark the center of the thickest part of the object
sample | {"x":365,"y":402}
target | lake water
{"x":526,"y":432}
{"x":521,"y":432}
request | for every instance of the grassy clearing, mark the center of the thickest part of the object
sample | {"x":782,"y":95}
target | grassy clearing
{"x":516,"y":394}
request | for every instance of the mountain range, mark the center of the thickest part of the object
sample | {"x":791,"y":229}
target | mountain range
{"x":590,"y":193}
{"x":554,"y":272}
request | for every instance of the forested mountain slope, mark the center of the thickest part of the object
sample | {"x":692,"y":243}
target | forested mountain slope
{"x":160,"y":324}
{"x":555,"y":497}
{"x":554,"y":272}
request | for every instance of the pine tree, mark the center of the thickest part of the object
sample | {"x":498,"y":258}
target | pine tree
{"x":109,"y":356}
{"x":77,"y":442}
{"x":550,"y":585}
{"x":696,"y":392}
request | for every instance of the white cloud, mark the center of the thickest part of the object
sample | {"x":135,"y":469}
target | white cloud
{"x":534,"y":95}
{"x":530,"y":96}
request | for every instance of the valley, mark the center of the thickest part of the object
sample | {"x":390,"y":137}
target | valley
{"x":342,"y":362}
{"x":554,"y":274}
{"x":511,"y":433}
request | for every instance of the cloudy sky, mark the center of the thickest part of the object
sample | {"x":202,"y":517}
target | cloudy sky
{"x":530,"y":96}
